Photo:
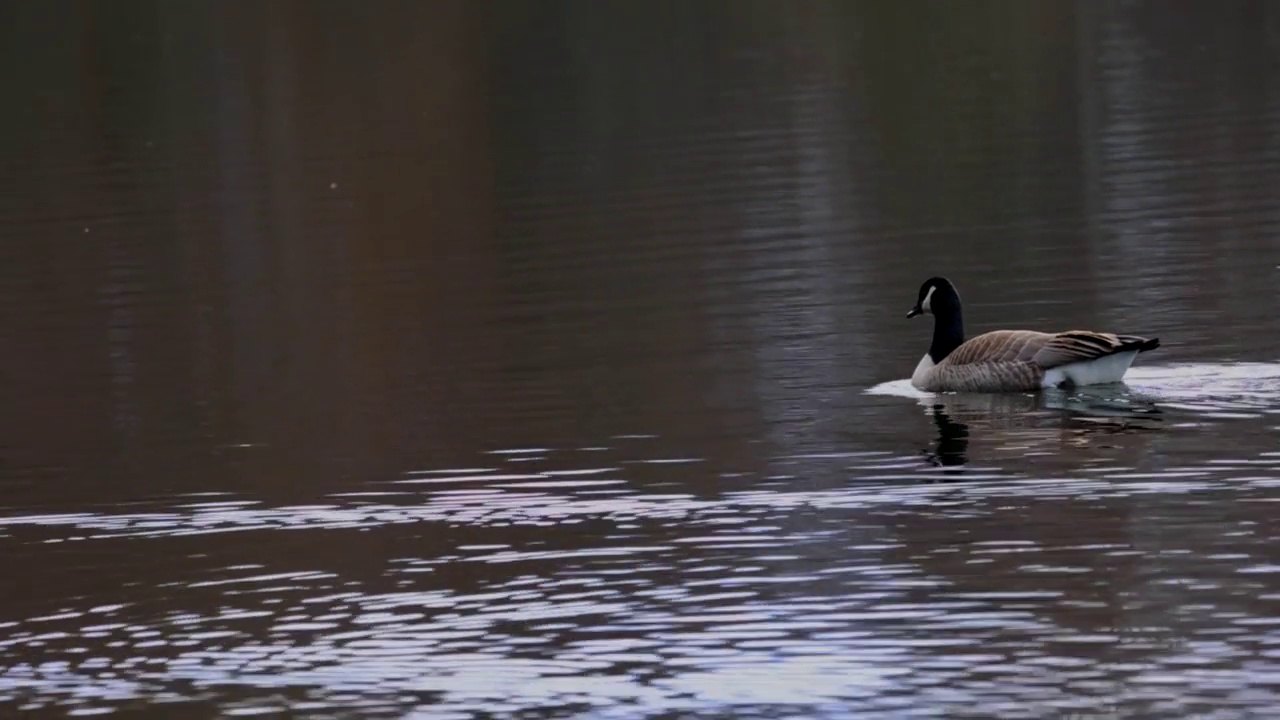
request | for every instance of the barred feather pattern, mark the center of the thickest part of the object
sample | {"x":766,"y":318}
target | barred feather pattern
{"x":991,"y":376}
{"x":1016,"y":360}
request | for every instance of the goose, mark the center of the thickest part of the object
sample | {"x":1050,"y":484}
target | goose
{"x":1014,"y":360}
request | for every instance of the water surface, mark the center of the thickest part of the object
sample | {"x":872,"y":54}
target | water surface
{"x":547,"y":360}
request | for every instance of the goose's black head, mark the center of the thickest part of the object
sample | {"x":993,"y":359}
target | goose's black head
{"x":937,"y":296}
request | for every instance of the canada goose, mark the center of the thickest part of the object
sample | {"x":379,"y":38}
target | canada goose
{"x":1014,"y":360}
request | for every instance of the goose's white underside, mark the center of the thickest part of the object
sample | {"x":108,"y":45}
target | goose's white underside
{"x":922,"y":369}
{"x":1109,"y":369}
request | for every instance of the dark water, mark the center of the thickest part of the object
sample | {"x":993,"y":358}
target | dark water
{"x":545,"y":360}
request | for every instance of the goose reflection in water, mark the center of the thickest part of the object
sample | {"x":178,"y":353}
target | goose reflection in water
{"x":1044,"y":423}
{"x":951,"y":448}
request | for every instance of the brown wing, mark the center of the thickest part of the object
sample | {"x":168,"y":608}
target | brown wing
{"x":1079,"y":345}
{"x":1000,"y":346}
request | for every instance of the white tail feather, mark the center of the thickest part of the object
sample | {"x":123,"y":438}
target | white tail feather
{"x":1109,"y":369}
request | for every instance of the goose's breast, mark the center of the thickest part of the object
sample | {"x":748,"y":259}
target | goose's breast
{"x":920,"y":377}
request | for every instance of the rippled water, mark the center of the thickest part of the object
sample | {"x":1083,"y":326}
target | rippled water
{"x":547,"y":360}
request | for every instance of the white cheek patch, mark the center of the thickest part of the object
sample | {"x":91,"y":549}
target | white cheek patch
{"x":924,"y":305}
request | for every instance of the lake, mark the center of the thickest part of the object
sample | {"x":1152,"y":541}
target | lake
{"x":541,"y":360}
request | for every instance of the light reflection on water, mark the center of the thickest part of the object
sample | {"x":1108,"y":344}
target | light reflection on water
{"x":874,"y":596}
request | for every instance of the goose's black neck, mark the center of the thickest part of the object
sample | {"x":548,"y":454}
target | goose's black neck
{"x":948,"y":331}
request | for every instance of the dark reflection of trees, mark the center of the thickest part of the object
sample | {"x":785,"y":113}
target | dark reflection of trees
{"x":254,"y":236}
{"x":569,"y":218}
{"x":1178,"y":146}
{"x":975,"y":97}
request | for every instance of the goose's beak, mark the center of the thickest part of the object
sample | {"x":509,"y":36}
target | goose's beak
{"x":914,"y":312}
